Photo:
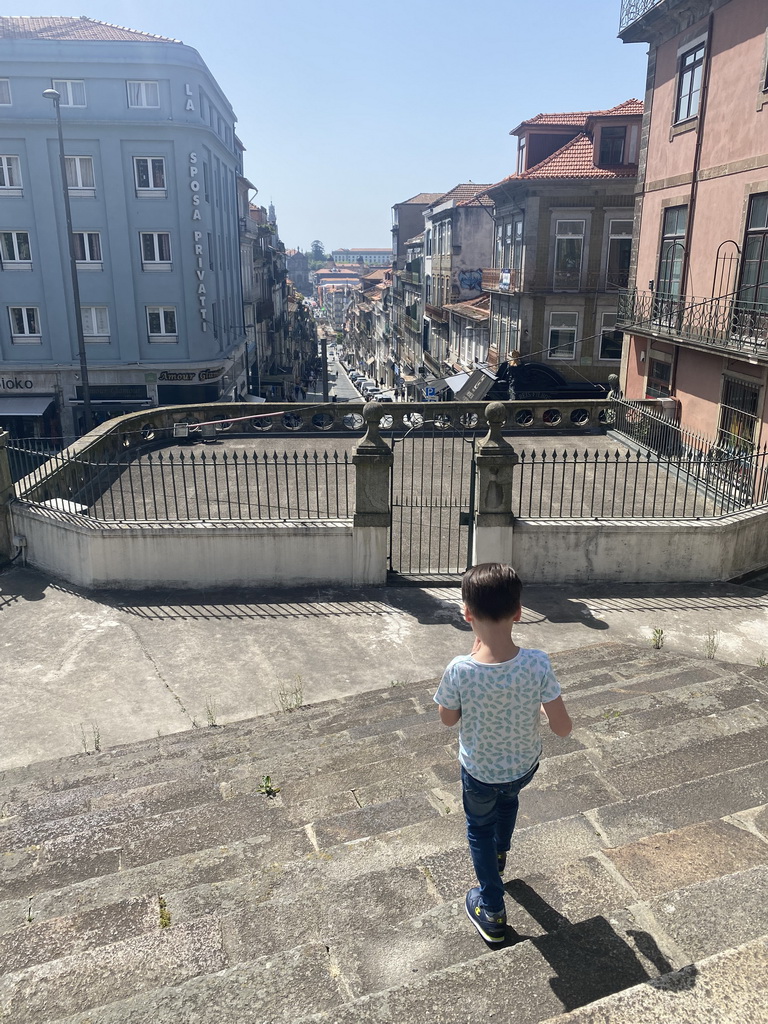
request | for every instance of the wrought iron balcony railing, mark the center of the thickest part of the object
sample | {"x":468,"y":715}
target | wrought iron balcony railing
{"x":726,"y":322}
{"x":497,"y":280}
{"x":632,"y":10}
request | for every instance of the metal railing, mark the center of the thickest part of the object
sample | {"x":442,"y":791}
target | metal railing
{"x":632,"y":10}
{"x":637,"y":485}
{"x":724,"y":322}
{"x":493,"y":282}
{"x":182,"y":485}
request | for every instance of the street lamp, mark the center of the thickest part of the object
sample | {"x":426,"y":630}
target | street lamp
{"x":53,"y":94}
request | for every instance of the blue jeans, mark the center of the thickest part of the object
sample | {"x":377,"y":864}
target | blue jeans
{"x":491,"y":810}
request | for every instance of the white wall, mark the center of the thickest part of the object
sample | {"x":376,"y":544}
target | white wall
{"x":179,"y":555}
{"x":639,"y":551}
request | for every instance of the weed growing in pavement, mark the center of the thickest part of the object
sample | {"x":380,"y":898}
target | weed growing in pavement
{"x":289,"y":695}
{"x":762,"y":661}
{"x":613,"y":713}
{"x":96,"y":733}
{"x":711,"y":643}
{"x":211,"y":710}
{"x":266,"y":788}
{"x":165,"y":914}
{"x":657,"y":638}
{"x":83,"y":738}
{"x":29,"y":910}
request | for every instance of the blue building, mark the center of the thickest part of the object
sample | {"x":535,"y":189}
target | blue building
{"x":152,"y":163}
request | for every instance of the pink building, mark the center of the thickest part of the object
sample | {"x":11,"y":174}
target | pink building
{"x":696,"y":318}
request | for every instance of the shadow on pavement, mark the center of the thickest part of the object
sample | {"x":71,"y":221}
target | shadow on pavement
{"x":19,"y":584}
{"x":589,"y":958}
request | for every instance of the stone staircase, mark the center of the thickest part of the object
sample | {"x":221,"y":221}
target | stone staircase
{"x":155,"y":882}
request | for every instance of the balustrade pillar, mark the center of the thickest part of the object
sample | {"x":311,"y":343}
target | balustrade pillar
{"x":372,"y":460}
{"x":494,"y":520}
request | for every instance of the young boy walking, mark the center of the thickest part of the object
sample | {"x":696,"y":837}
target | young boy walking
{"x":496,"y":693}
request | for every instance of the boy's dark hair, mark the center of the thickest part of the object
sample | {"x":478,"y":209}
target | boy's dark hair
{"x":491,"y":591}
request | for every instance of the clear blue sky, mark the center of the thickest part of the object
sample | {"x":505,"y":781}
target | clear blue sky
{"x":347,"y":107}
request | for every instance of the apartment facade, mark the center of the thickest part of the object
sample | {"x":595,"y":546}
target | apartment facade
{"x":458,"y":241}
{"x":370,"y":257}
{"x":562,"y":243}
{"x":696,"y":316}
{"x":151,"y":164}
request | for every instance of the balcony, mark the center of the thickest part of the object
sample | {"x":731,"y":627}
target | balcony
{"x":410,"y":323}
{"x":633,"y":11}
{"x":504,"y":281}
{"x":726,"y":323}
{"x":436,"y":313}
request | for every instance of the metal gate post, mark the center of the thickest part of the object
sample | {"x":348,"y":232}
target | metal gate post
{"x":373,"y":460}
{"x":7,"y":494}
{"x":494,"y":522}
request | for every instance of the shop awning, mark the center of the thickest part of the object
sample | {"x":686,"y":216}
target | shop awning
{"x":24,"y":405}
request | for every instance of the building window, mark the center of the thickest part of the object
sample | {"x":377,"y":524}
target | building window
{"x":428,"y":289}
{"x":161,"y":323}
{"x":80,"y":175}
{"x":619,"y":254}
{"x":15,"y":251}
{"x":569,"y":247}
{"x":611,"y":340}
{"x":5,"y":92}
{"x":659,"y":380}
{"x":87,"y":247}
{"x":672,"y":252}
{"x":95,"y":320}
{"x":739,"y":406}
{"x":612,"y":146}
{"x":156,"y":250}
{"x":71,"y":93}
{"x":149,"y":175}
{"x":10,"y":172}
{"x":689,"y":83}
{"x":753,"y":287}
{"x":25,"y":324}
{"x":428,"y":243}
{"x":143,"y":94}
{"x":562,"y":335}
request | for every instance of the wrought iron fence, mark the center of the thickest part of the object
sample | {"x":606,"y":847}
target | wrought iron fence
{"x":726,"y":321}
{"x":631,"y":10}
{"x":637,"y":485}
{"x":28,"y":454}
{"x":188,"y":486}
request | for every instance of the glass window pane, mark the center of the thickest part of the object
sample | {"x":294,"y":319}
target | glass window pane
{"x":5,"y":91}
{"x":17,"y":320}
{"x":32,"y":320}
{"x":102,"y":319}
{"x":94,"y":245}
{"x":142,"y":172}
{"x":134,"y":94}
{"x":758,"y":212}
{"x":6,"y":245}
{"x":158,"y":173}
{"x":148,"y":247}
{"x":86,"y":172}
{"x":151,"y":94}
{"x":22,"y":241}
{"x":170,"y":320}
{"x":78,"y":94}
{"x":153,"y":318}
{"x":164,"y":247}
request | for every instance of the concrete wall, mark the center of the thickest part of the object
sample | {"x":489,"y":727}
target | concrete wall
{"x":640,"y":551}
{"x":190,"y":555}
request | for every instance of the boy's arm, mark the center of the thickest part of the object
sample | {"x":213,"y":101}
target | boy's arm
{"x":559,"y":720}
{"x":449,"y":716}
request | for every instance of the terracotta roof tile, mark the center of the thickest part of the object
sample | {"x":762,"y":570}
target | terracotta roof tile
{"x":579,"y":118}
{"x":473,"y":309}
{"x":576,"y":159}
{"x":460,"y":193}
{"x":74,"y":30}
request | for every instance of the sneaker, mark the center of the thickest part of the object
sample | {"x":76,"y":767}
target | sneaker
{"x":492,"y":927}
{"x":502,"y":861}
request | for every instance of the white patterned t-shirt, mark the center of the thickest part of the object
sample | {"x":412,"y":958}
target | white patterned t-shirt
{"x":499,"y":738}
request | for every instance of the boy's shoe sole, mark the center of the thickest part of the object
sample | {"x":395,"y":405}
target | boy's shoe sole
{"x":492,"y":929}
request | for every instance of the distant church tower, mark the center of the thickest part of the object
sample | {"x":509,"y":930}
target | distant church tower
{"x":272,"y":218}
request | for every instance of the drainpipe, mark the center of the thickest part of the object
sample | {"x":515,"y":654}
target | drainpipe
{"x":697,"y":152}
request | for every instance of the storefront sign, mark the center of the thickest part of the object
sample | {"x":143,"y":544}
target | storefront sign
{"x":16,"y":384}
{"x":191,"y":376}
{"x":190,"y":103}
{"x":194,"y":186}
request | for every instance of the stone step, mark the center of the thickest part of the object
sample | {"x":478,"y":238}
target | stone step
{"x":102,"y":974}
{"x":730,"y":987}
{"x":270,"y":989}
